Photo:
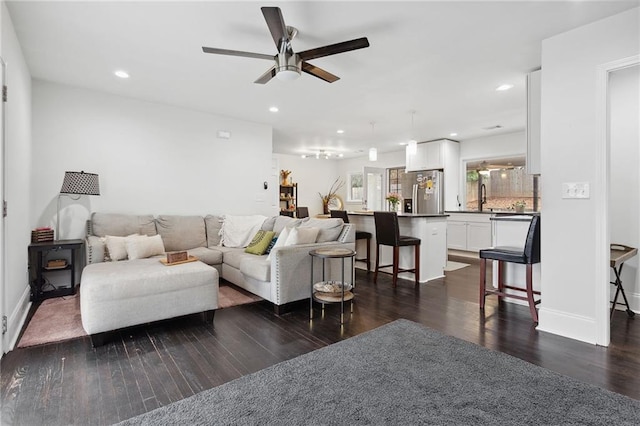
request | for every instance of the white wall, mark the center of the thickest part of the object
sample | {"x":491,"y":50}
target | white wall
{"x":569,"y":141}
{"x":313,"y":176}
{"x":624,"y":197}
{"x":17,"y":180}
{"x":385,"y":160}
{"x":151,"y":158}
{"x":504,"y":145}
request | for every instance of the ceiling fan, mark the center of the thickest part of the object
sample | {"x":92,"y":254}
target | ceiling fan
{"x":288,"y":64}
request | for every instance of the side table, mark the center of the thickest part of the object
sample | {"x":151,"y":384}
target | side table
{"x":39,"y":272}
{"x":332,"y":291}
{"x":618,"y":255}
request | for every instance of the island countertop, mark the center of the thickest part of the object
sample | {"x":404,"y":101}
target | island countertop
{"x":496,"y":212}
{"x":409,"y":215}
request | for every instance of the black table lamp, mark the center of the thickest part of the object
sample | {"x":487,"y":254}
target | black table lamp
{"x":77,"y":183}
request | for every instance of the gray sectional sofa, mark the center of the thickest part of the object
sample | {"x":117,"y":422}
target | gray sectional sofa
{"x":281,"y":277}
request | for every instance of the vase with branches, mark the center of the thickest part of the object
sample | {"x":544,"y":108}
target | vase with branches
{"x":331,"y":195}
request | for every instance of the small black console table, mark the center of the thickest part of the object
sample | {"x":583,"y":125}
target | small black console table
{"x":40,"y":273}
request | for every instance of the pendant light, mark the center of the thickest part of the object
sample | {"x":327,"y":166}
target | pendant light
{"x":412,"y":146}
{"x":373,"y":152}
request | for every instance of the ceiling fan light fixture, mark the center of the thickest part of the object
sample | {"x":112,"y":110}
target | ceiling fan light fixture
{"x":288,"y":73}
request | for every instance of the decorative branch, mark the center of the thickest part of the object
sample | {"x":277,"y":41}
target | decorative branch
{"x":335,"y":187}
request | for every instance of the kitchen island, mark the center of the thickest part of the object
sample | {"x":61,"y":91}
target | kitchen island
{"x":430,"y":228}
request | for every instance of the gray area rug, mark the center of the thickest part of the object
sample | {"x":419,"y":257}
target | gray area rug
{"x":401,"y":373}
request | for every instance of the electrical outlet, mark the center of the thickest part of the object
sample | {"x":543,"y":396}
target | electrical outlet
{"x":575,"y":190}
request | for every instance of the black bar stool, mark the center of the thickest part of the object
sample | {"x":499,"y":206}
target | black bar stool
{"x":529,"y":256}
{"x":360,"y":235}
{"x":388,"y":234}
{"x":302,"y":212}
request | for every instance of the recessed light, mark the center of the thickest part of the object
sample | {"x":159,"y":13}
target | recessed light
{"x":504,"y":87}
{"x":340,"y":155}
{"x":453,"y":134}
{"x":274,"y":109}
{"x":121,"y":74}
{"x":339,"y":131}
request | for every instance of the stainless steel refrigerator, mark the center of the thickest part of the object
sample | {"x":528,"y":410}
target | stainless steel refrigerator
{"x":422,"y":192}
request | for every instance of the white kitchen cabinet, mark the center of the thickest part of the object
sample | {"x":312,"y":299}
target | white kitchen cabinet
{"x":428,"y":156}
{"x":432,"y":155}
{"x":469,"y":231}
{"x":533,"y":122}
{"x":456,"y":235}
{"x":478,"y":236}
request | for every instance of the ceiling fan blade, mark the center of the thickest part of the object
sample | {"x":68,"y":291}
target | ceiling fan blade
{"x":276,"y":25}
{"x":334,"y":49}
{"x":236,"y":53}
{"x":264,"y":78}
{"x":319,"y":72}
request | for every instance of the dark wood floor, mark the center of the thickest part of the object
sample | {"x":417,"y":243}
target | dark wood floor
{"x":147,"y":367}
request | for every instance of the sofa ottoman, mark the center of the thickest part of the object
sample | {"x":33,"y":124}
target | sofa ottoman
{"x":115,"y":295}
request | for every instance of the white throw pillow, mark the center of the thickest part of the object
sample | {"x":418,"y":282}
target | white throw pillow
{"x":280,"y":242}
{"x":117,"y":246}
{"x":143,"y":246}
{"x":238,"y":231}
{"x":302,"y":236}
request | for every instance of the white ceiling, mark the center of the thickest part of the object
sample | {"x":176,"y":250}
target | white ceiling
{"x":442,"y":60}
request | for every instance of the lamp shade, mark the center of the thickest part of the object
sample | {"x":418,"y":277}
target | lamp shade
{"x":373,"y":154}
{"x":412,"y":147}
{"x":80,"y":183}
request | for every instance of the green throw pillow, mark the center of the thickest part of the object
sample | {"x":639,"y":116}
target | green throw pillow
{"x":260,"y":242}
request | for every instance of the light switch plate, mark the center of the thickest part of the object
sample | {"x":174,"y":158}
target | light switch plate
{"x":575,"y":190}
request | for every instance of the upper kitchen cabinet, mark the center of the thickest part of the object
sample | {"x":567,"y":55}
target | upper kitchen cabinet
{"x":443,"y":154}
{"x":533,"y":122}
{"x":440,"y":154}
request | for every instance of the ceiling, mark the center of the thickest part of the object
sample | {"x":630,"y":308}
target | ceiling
{"x":442,"y":60}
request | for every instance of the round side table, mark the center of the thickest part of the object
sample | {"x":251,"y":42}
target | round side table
{"x":332,"y":291}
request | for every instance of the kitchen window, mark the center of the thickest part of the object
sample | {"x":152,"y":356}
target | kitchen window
{"x":501,"y":184}
{"x":355,"y":187}
{"x":395,"y":180}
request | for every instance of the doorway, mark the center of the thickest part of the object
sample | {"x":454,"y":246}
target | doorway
{"x":374,"y":185}
{"x":606,"y":75}
{"x":624,"y":177}
{"x":3,"y":269}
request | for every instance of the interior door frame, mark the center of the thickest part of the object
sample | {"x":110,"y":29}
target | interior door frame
{"x":3,"y":251}
{"x":602,"y":184}
{"x":365,"y":182}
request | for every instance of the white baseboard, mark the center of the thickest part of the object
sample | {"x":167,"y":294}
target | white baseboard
{"x":463,"y":253}
{"x":633,"y":298}
{"x":567,"y":325}
{"x":18,"y":317}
